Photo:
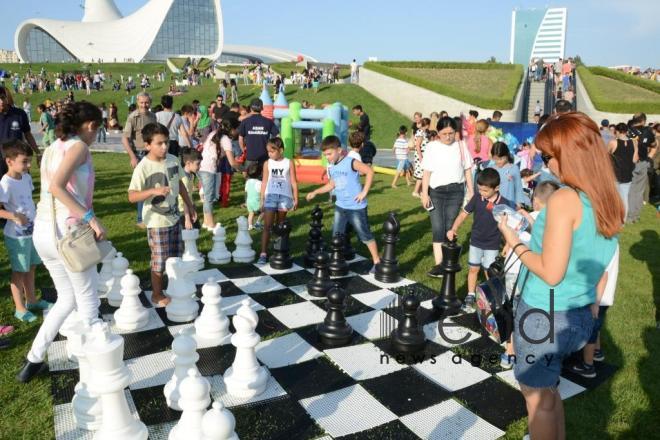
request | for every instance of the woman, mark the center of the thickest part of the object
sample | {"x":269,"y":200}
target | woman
{"x":624,"y":157}
{"x":421,"y":139}
{"x":447,"y":169}
{"x":572,"y":243}
{"x":204,"y":123}
{"x":67,"y":179}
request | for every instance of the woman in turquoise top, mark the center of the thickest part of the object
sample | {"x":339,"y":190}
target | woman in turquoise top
{"x":573,"y":239}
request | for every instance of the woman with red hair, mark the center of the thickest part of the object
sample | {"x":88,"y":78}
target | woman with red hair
{"x":573,"y":240}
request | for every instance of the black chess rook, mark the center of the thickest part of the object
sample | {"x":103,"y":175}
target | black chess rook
{"x":334,"y":331}
{"x":408,"y":337}
{"x":320,"y":285}
{"x":280,"y":259}
{"x":338,"y":266}
{"x":447,"y":304}
{"x":315,"y":237}
{"x":387,"y":271}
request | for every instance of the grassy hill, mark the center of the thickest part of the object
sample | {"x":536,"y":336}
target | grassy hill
{"x":613,"y":91}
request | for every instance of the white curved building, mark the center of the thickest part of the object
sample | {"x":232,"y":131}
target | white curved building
{"x":537,"y":33}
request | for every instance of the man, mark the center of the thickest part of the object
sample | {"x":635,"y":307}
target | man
{"x":605,"y":132}
{"x":254,"y":133}
{"x":14,"y":124}
{"x":174,"y":123}
{"x":364,"y":126}
{"x":563,"y":106}
{"x":220,"y":108}
{"x":354,"y":72}
{"x":497,"y":115}
{"x":132,"y":137}
{"x":646,"y":147}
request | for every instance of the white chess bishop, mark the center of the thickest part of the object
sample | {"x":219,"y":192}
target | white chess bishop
{"x":119,"y":267}
{"x":219,"y":253}
{"x":244,"y":252}
{"x":195,"y":398}
{"x":131,"y":315}
{"x":105,"y":274}
{"x":245,"y":378}
{"x":212,"y":326}
{"x":185,"y":357}
{"x":190,"y":253}
{"x":218,"y":423}
{"x":181,"y":289}
{"x":86,"y":405}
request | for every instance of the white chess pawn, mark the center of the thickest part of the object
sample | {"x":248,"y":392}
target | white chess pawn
{"x":244,"y":252}
{"x":181,"y":289}
{"x":105,"y":275}
{"x":245,"y":378}
{"x":86,"y":405}
{"x":119,"y":266}
{"x":190,"y":253}
{"x":131,"y":315}
{"x":219,"y":253}
{"x":218,"y":423}
{"x":185,"y":357}
{"x":212,"y":326}
{"x":195,"y":398}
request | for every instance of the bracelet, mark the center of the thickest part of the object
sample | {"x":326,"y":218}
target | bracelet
{"x":523,"y":253}
{"x":88,"y":216}
{"x":518,"y":244}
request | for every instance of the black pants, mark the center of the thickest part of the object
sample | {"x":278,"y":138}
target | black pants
{"x":174,"y":148}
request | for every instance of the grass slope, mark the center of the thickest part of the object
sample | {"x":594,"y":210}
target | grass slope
{"x":611,"y":94}
{"x":627,"y":406}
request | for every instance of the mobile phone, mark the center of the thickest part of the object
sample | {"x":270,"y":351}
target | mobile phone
{"x":431,"y":207}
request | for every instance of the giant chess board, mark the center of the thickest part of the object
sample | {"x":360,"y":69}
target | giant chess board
{"x":357,"y":391}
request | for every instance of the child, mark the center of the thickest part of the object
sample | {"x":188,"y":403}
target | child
{"x":401,"y":153}
{"x":19,"y":211}
{"x":253,"y":196}
{"x":191,"y":162}
{"x":355,"y":140}
{"x":279,"y":191}
{"x":485,"y":238}
{"x":510,"y":183}
{"x":47,"y":126}
{"x":351,"y":204}
{"x":542,"y":193}
{"x":421,"y":138}
{"x":156,"y":181}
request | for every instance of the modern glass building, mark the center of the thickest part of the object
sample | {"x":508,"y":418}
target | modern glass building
{"x":537,"y":33}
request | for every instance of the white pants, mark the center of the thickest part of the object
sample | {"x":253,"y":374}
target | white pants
{"x":74,"y":290}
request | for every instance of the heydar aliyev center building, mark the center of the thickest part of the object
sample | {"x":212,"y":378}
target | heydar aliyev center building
{"x":159,"y":30}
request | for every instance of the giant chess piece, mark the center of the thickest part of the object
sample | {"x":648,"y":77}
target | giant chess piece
{"x":447,"y":304}
{"x":387,"y":271}
{"x":131,"y":315}
{"x":219,"y":253}
{"x":110,"y":376}
{"x":190,"y":253}
{"x":320,"y":284}
{"x":119,"y":267}
{"x":218,"y":423}
{"x":245,"y":378}
{"x":338,"y":266}
{"x":280,"y":259}
{"x":212,"y":326}
{"x":195,"y":398}
{"x":349,"y":251}
{"x":86,"y":405}
{"x":315,"y":238}
{"x":185,"y":357}
{"x":244,"y":252}
{"x":69,"y":323}
{"x":105,"y":274}
{"x":181,"y":289}
{"x":408,"y":337}
{"x":68,"y":330}
{"x":334,"y":331}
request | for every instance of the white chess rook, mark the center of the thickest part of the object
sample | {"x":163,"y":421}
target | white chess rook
{"x":131,"y":315}
{"x":218,"y":423}
{"x":86,"y":405}
{"x":110,"y":376}
{"x":181,"y":289}
{"x":244,"y":252}
{"x":195,"y":398}
{"x":190,"y":253}
{"x":219,"y":253}
{"x":119,"y":267}
{"x":105,"y":275}
{"x":212,"y":326}
{"x":245,"y":378}
{"x":185,"y":357}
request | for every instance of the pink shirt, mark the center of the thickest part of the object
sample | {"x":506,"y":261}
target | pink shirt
{"x":484,"y":151}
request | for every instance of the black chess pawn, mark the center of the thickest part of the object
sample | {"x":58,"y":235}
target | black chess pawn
{"x":387,"y":271}
{"x":338,"y":266}
{"x":447,"y":304}
{"x":320,"y":284}
{"x":334,"y":331}
{"x":408,"y":337}
{"x":315,"y":237}
{"x":349,"y":251}
{"x":280,"y":259}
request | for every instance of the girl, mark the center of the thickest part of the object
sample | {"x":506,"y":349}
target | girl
{"x":204,"y":123}
{"x":279,"y":191}
{"x":510,"y":181}
{"x":215,"y":147}
{"x":67,"y":180}
{"x":479,"y":144}
{"x":421,"y":139}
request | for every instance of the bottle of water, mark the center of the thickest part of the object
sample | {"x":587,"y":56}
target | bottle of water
{"x":515,"y":220}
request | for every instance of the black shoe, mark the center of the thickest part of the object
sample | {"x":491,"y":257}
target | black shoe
{"x":436,"y":272}
{"x":4,"y":343}
{"x":583,"y":370}
{"x":30,"y":370}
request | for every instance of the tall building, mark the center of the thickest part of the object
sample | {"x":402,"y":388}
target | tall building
{"x":537,"y":33}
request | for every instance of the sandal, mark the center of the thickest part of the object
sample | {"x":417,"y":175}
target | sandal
{"x":42,"y":304}
{"x":161,"y":302}
{"x":26,"y":316}
{"x":6,"y":329}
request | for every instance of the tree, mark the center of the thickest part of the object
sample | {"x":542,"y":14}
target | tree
{"x":491,"y":60}
{"x":578,"y":60}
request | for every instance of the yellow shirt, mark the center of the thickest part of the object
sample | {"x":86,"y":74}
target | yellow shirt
{"x":188,"y":182}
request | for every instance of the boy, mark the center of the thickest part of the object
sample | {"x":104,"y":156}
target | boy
{"x":47,"y":126}
{"x":400,"y":149}
{"x":191,"y":160}
{"x":356,"y":141}
{"x":485,"y":238}
{"x":351,"y":204}
{"x":19,"y":211}
{"x":156,"y":181}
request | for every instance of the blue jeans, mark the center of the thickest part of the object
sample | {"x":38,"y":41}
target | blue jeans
{"x":209,"y":185}
{"x":447,"y":200}
{"x":357,"y":218}
{"x":140,"y":155}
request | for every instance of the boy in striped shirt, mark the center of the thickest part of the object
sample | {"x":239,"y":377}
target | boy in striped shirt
{"x":400,"y":148}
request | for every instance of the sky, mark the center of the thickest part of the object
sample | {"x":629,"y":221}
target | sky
{"x":602,"y":32}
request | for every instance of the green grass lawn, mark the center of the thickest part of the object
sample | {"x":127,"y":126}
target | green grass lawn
{"x":627,"y":406}
{"x":614,"y":95}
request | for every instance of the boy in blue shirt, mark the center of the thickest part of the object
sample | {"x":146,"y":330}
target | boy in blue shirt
{"x":351,"y":203}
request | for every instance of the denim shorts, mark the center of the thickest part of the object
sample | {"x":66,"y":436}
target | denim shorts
{"x":22,"y":254}
{"x":482,"y":257}
{"x":402,"y":165}
{"x":357,"y":218}
{"x":278,"y":202}
{"x":538,"y":364}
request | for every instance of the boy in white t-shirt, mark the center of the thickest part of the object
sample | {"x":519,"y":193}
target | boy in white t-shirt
{"x":19,"y":211}
{"x":356,"y":141}
{"x":400,"y":149}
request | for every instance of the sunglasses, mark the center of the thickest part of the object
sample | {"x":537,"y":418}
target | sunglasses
{"x":546,"y":158}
